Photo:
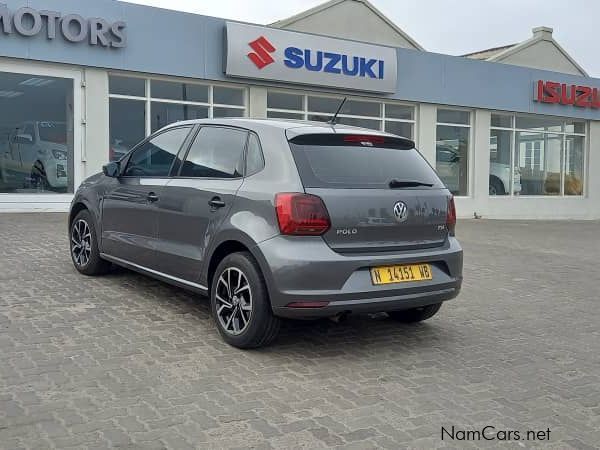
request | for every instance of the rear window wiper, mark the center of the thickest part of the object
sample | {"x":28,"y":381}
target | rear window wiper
{"x":394,"y":184}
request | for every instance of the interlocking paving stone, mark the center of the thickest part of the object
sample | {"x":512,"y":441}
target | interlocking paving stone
{"x":124,"y":360}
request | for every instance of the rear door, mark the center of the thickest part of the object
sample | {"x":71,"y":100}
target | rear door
{"x":129,"y":220}
{"x":380,"y":192}
{"x":195,"y":202}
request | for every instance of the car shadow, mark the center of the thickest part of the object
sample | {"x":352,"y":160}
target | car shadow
{"x":354,"y":335}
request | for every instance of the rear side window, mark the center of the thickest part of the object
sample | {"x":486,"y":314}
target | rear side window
{"x":254,"y":156}
{"x":215,"y":153}
{"x":360,"y":162}
{"x":154,"y":157}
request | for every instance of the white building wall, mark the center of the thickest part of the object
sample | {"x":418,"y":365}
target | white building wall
{"x":425,"y":133}
{"x":257,"y":102}
{"x":350,"y":20}
{"x":542,"y":55}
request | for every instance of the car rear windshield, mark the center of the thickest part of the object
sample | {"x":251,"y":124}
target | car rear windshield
{"x":360,"y":162}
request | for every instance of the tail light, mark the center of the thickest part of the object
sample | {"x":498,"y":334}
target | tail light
{"x":451,"y":216}
{"x":361,"y":139}
{"x":301,"y":214}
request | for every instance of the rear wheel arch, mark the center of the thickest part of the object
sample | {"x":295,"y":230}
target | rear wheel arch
{"x":227,"y":247}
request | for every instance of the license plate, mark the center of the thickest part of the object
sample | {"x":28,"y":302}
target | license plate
{"x":401,"y":274}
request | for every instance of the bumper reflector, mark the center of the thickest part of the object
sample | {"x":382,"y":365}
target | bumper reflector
{"x":307,"y":304}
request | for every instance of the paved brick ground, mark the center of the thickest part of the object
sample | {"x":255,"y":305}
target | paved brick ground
{"x":123,"y":360}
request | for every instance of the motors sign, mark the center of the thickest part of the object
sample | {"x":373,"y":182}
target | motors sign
{"x":279,"y":55}
{"x":566,"y":94}
{"x":30,"y":22}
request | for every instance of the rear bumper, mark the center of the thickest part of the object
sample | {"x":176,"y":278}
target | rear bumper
{"x":370,"y":305}
{"x":307,"y":270}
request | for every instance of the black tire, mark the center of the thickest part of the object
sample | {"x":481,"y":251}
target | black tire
{"x":261,"y":326}
{"x":415,"y":314}
{"x":496,"y":187}
{"x":92,"y":264}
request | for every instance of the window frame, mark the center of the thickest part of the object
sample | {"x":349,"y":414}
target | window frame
{"x":189,"y":147}
{"x":470,"y":151}
{"x":262,"y":155}
{"x":564,"y":134}
{"x":148,"y":99}
{"x":127,"y":158}
{"x":305,"y":112}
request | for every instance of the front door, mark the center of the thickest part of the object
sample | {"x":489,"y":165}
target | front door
{"x":129,"y":220}
{"x":194,"y":204}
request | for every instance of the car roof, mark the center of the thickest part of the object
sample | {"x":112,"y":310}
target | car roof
{"x":291,"y":127}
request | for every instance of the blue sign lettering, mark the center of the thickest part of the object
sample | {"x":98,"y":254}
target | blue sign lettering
{"x":336,"y":63}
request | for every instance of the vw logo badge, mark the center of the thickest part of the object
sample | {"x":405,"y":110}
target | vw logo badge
{"x":401,"y":212}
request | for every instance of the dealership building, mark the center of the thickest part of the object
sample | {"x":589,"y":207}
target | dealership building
{"x":513,"y":131}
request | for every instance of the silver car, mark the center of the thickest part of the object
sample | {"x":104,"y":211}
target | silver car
{"x":275,"y":219}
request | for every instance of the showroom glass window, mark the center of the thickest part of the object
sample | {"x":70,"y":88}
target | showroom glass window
{"x":536,"y":155}
{"x":141,"y":106}
{"x":453,"y":140}
{"x":392,"y":117}
{"x":36,"y":134}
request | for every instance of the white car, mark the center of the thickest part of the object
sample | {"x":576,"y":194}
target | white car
{"x":36,"y":155}
{"x":448,"y":168}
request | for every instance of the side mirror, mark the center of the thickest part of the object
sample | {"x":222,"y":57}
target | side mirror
{"x":111,"y":169}
{"x":23,"y":139}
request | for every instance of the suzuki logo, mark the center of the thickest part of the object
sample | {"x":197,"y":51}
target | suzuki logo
{"x":401,"y":212}
{"x":262,"y":49}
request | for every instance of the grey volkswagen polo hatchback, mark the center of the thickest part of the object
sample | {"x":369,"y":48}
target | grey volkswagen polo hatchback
{"x":275,"y":219}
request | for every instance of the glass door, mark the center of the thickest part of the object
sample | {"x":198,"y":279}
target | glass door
{"x":40,"y":138}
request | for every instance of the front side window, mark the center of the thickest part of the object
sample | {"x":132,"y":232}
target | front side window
{"x":155,"y":157}
{"x":215,"y":153}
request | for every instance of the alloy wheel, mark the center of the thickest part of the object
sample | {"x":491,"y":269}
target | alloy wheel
{"x":233,"y":301}
{"x":81,"y":242}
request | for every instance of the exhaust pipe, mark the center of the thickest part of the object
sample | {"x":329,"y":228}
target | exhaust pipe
{"x":340,"y":317}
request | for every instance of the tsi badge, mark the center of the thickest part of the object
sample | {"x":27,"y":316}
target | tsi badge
{"x":400,"y":212}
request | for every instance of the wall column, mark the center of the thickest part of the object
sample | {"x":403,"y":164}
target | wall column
{"x":425,"y":132}
{"x":257,"y":102}
{"x":96,"y":128}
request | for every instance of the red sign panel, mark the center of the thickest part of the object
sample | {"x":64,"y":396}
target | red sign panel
{"x":566,"y":94}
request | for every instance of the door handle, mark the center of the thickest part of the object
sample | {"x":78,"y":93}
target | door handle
{"x":216,"y":203}
{"x":152,"y":197}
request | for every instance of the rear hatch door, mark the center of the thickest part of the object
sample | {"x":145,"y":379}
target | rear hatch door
{"x":380,"y":192}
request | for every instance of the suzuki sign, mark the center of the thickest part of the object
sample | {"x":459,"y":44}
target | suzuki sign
{"x":279,"y":55}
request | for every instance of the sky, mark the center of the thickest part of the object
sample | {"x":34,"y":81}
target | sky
{"x":452,"y":27}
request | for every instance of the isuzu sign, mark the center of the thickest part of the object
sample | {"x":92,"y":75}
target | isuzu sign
{"x":279,"y":55}
{"x":566,"y":94}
